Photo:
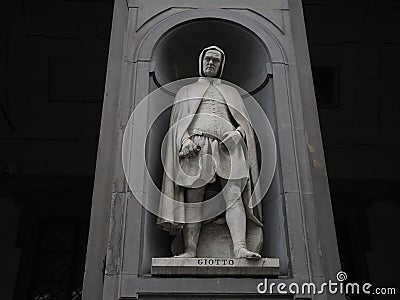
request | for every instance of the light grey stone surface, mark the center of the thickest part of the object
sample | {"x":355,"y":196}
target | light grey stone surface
{"x":103,"y":185}
{"x":215,"y":266}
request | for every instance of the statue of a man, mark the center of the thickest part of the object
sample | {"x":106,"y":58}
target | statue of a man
{"x":209,"y":119}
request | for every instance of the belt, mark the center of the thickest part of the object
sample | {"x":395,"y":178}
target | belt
{"x":206,"y":134}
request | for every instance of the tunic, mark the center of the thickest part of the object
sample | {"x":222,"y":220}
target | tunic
{"x":172,"y":204}
{"x":211,"y":121}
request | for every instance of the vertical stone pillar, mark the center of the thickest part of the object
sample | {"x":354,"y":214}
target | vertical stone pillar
{"x":298,"y":220}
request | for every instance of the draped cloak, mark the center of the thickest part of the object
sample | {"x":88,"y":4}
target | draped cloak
{"x":171,"y":215}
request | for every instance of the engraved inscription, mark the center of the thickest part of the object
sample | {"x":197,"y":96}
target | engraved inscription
{"x":215,"y":262}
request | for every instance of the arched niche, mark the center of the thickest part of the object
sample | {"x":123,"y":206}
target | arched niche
{"x":174,"y":56}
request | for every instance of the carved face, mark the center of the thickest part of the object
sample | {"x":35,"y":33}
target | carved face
{"x":211,"y":63}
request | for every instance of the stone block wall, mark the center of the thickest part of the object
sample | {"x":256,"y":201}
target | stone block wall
{"x":360,"y":41}
{"x":53,"y":58}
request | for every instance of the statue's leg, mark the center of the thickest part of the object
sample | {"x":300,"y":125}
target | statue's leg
{"x":236,"y":218}
{"x":191,"y":231}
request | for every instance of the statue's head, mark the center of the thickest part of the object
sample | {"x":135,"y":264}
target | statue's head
{"x":211,"y":62}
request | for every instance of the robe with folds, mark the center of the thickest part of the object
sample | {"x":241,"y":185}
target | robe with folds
{"x":171,"y":217}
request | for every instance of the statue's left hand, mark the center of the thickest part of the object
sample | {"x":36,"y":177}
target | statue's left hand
{"x":231,"y":139}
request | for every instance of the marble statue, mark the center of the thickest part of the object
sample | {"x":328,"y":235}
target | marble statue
{"x":209,"y":119}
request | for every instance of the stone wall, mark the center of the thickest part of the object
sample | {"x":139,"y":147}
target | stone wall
{"x":53,"y":63}
{"x":53,"y":57}
{"x":359,"y":40}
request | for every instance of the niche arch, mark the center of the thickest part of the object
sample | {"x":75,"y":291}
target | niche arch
{"x":176,"y":54}
{"x":262,"y":48}
{"x":146,"y":45}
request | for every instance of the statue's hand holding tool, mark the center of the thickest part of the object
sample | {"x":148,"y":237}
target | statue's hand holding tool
{"x":189,"y":149}
{"x":231,"y":139}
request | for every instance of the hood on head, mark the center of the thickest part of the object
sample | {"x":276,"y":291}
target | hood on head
{"x":221,"y":67}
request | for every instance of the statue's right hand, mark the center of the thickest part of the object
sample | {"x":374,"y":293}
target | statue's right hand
{"x":189,"y":149}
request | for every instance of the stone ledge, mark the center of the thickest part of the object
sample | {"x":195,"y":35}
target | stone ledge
{"x":214,"y":267}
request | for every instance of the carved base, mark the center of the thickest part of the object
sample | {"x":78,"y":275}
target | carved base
{"x":214,"y":267}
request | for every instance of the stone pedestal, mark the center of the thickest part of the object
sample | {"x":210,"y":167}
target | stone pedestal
{"x":212,"y":267}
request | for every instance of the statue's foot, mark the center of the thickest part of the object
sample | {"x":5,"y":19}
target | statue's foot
{"x":244,"y":253}
{"x":185,"y":255}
